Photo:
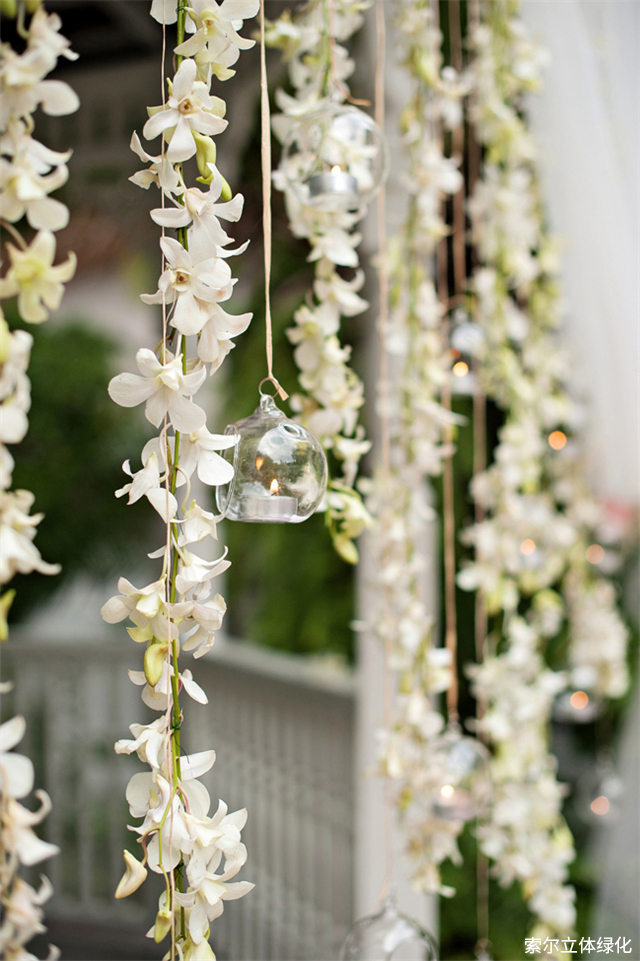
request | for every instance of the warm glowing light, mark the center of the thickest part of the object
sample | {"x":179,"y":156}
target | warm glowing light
{"x":600,"y":805}
{"x":579,"y":700}
{"x":447,"y":790}
{"x":274,"y":486}
{"x":460,"y":369}
{"x":528,"y":546}
{"x":259,"y":462}
{"x":337,"y":169}
{"x":595,"y":554}
{"x":557,"y":440}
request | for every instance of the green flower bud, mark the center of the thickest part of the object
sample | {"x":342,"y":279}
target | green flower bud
{"x":205,"y":154}
{"x":8,"y":8}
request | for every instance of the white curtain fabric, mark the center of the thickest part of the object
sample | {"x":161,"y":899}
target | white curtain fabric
{"x":586,"y":122}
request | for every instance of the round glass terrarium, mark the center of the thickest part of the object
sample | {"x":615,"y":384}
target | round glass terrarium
{"x":280,"y":471}
{"x":335,"y":159}
{"x":388,"y":935}
{"x":464,"y":771}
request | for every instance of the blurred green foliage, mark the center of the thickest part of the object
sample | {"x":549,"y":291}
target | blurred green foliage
{"x":72,"y":459}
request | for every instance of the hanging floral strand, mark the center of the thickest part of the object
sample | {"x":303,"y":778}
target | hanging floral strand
{"x":29,"y":172}
{"x":539,"y":519}
{"x":179,"y":838}
{"x":313,"y":45}
{"x":415,"y":748}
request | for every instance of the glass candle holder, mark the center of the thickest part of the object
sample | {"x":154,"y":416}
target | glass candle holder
{"x":280,"y":469}
{"x":335,"y":159}
{"x":388,"y":935}
{"x":465,"y":769}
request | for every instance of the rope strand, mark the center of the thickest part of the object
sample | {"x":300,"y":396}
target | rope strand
{"x":265,"y":150}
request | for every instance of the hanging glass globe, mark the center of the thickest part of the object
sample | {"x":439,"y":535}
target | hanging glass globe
{"x":388,"y":936}
{"x":577,"y":707}
{"x":335,"y":159}
{"x":599,"y":793}
{"x":280,"y":469}
{"x":464,"y":778}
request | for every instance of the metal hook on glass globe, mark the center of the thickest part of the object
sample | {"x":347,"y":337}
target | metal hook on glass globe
{"x":280,"y":469}
{"x":388,"y":935}
{"x":335,"y":159}
{"x":464,"y":777}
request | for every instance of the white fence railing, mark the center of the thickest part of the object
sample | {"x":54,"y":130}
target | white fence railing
{"x":283,"y":731}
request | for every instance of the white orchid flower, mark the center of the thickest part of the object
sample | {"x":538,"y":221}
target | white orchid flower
{"x":215,"y":338}
{"x":222,"y":833}
{"x":17,"y":531}
{"x":23,"y":917}
{"x":34,"y":279}
{"x":190,"y":107}
{"x":214,"y":889}
{"x":332,"y":288}
{"x":145,"y":606}
{"x":150,"y":742}
{"x":336,"y":246}
{"x":198,"y":451}
{"x":18,"y":834}
{"x":46,"y":39}
{"x":196,"y":525}
{"x":207,"y":617}
{"x":16,"y":771}
{"x":195,"y":286}
{"x":160,"y":171}
{"x":195,"y":572}
{"x":202,"y":210}
{"x":155,"y":696}
{"x":146,"y":483}
{"x":24,"y":190}
{"x":165,"y":389}
{"x":216,"y":40}
{"x":22,"y":89}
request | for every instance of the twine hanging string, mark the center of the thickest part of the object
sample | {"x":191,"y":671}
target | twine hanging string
{"x":449,"y":530}
{"x":385,"y":440}
{"x":265,"y":150}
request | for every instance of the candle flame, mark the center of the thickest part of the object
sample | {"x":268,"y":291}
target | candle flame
{"x":336,"y":169}
{"x":274,"y":486}
{"x":259,"y":462}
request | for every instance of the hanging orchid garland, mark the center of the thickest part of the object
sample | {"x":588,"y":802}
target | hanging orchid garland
{"x":176,"y":613}
{"x":312,"y":43}
{"x":414,"y":749}
{"x":29,"y":172}
{"x":540,"y":519}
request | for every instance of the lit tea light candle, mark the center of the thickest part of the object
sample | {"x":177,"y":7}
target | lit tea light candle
{"x":453,"y":804}
{"x":271,"y":507}
{"x":334,"y":187}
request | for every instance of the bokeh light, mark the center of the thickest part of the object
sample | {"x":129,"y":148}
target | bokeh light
{"x":557,"y":440}
{"x":595,"y":554}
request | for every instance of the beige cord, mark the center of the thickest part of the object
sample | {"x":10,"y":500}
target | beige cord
{"x":266,"y":200}
{"x":385,"y":437}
